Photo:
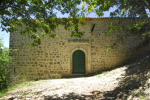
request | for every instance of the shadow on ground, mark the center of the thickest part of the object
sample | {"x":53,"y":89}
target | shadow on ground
{"x":137,"y":73}
{"x":70,"y":96}
{"x":136,"y":77}
{"x":95,"y":95}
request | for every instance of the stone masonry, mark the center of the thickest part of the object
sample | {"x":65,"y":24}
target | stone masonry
{"x":53,"y":58}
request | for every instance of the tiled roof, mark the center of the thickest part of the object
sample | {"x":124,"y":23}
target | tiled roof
{"x":89,"y":18}
{"x":94,"y":17}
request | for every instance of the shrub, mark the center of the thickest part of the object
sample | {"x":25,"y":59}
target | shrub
{"x":4,"y":60}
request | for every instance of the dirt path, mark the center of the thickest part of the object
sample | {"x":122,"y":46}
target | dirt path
{"x":124,"y":83}
{"x":58,"y":88}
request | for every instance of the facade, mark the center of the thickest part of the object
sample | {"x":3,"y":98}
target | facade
{"x":65,"y":55}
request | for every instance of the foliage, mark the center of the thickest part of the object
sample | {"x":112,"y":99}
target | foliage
{"x":110,"y":47}
{"x":137,"y":10}
{"x":4,"y":59}
{"x":15,"y":87}
{"x":40,"y":15}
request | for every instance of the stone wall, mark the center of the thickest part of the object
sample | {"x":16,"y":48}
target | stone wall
{"x":53,"y":58}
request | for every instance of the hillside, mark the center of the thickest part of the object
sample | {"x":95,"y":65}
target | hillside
{"x":128,"y":82}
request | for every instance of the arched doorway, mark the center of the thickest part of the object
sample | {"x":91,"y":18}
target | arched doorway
{"x":78,"y":62}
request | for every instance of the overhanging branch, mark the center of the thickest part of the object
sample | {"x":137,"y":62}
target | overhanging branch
{"x":142,"y":4}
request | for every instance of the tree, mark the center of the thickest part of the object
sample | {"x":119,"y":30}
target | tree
{"x":125,"y":8}
{"x":4,"y":59}
{"x":34,"y":15}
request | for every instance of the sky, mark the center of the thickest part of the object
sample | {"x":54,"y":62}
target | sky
{"x":5,"y":36}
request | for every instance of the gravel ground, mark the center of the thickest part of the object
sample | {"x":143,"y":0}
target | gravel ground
{"x":59,"y":88}
{"x":129,"y":82}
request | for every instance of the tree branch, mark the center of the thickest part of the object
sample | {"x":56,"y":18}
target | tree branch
{"x":142,"y":4}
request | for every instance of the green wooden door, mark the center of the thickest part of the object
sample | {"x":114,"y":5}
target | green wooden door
{"x":78,"y":62}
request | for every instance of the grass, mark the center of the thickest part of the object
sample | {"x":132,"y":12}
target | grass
{"x":141,"y":96}
{"x":2,"y":93}
{"x":99,"y":76}
{"x":123,"y":97}
{"x":115,"y":72}
{"x":132,"y":92}
{"x":105,"y":72}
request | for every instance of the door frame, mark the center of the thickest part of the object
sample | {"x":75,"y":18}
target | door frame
{"x":86,"y":59}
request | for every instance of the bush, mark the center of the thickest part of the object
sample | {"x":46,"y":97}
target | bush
{"x":4,"y":60}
